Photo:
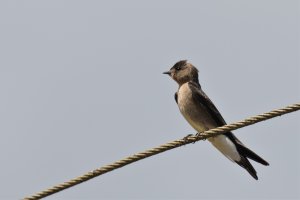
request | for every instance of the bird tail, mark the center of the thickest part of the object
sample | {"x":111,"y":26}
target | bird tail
{"x":244,"y":162}
{"x":247,"y":153}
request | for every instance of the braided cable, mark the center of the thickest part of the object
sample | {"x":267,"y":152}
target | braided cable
{"x":162,"y":148}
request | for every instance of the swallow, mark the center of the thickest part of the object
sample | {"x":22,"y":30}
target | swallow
{"x":202,"y":115}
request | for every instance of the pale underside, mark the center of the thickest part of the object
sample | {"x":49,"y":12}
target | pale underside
{"x":198,"y":117}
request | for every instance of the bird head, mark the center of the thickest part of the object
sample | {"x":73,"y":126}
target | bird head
{"x":183,"y":72}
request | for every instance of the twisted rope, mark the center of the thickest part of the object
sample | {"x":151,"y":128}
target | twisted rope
{"x":162,"y":148}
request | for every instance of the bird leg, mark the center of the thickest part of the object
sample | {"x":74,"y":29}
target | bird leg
{"x":187,"y":137}
{"x":198,"y":135}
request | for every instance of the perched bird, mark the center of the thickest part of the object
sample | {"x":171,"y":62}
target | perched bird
{"x":202,"y":115}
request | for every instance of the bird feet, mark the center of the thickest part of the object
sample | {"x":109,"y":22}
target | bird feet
{"x":186,"y":138}
{"x":198,"y":135}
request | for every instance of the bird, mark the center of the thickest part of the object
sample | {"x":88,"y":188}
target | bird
{"x":200,"y":112}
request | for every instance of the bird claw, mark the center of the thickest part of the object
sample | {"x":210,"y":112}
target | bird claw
{"x":187,"y":137}
{"x":198,"y":135}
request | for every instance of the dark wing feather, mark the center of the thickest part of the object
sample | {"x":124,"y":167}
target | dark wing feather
{"x":176,"y":97}
{"x":200,"y":97}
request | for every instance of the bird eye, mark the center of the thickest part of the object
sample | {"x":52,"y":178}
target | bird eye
{"x":178,"y":68}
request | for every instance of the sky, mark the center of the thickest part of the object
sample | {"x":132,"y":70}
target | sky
{"x":82,"y":86}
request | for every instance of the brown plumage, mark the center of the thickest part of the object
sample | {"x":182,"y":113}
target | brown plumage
{"x":202,"y":115}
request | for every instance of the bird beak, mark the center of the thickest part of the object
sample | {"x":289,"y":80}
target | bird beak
{"x":167,"y":72}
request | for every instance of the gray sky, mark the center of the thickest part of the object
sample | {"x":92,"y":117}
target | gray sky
{"x":82,"y":86}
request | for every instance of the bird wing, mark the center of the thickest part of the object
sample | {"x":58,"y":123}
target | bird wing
{"x":200,"y":97}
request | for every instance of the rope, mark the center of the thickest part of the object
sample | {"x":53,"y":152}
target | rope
{"x":163,"y":148}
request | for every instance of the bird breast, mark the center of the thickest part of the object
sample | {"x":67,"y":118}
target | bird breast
{"x":193,"y":111}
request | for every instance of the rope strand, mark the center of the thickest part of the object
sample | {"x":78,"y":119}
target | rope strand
{"x":163,"y":148}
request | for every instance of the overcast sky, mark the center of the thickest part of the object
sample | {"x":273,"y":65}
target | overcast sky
{"x":81,"y":86}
